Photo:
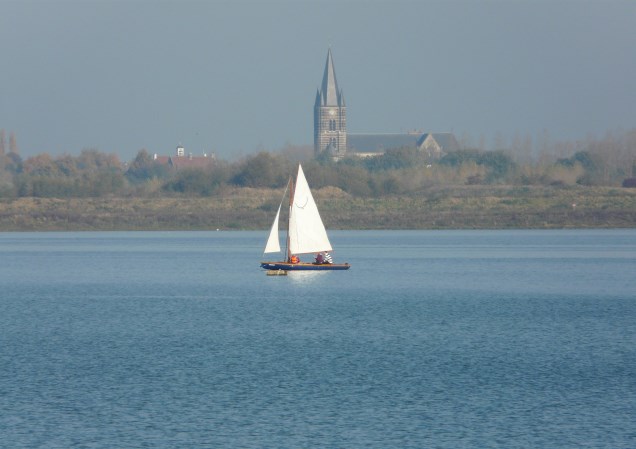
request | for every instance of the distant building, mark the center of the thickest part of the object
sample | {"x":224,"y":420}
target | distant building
{"x":330,"y":128}
{"x":371,"y":145}
{"x":181,"y":160}
{"x":437,"y":144}
{"x":330,"y":115}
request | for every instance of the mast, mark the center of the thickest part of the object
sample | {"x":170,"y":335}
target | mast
{"x":291,"y":203}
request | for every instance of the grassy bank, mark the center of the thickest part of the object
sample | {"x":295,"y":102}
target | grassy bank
{"x":461,"y":207}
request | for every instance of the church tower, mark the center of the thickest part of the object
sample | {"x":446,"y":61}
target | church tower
{"x":330,"y":115}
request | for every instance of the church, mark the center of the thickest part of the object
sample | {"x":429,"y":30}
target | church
{"x":330,"y":128}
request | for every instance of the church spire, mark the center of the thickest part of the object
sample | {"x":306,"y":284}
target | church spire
{"x":329,"y":91}
{"x":330,"y":116}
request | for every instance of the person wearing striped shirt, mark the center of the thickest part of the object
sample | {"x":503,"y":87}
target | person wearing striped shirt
{"x":323,"y":258}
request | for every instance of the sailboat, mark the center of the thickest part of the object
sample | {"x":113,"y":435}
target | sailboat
{"x":306,"y":233}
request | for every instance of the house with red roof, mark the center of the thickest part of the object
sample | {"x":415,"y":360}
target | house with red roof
{"x":182,"y":161}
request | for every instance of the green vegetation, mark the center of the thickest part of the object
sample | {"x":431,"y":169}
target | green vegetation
{"x":461,"y":207}
{"x":587,"y":185}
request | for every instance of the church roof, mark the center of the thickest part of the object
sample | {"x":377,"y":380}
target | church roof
{"x":379,"y":143}
{"x":329,"y":93}
{"x":446,"y":141}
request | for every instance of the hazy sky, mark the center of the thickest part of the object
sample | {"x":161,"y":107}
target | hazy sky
{"x":234,"y":77}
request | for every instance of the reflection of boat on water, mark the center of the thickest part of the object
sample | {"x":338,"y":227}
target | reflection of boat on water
{"x":305,"y":277}
{"x":306,"y":233}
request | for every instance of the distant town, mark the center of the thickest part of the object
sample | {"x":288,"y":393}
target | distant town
{"x":415,"y":164}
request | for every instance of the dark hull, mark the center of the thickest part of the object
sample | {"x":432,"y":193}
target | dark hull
{"x":304,"y":266}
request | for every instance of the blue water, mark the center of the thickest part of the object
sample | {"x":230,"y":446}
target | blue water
{"x":433,"y":339}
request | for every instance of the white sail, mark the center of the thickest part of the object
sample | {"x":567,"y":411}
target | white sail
{"x":273,"y":245}
{"x":307,"y":234}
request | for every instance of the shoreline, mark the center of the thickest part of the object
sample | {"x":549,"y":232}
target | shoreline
{"x":456,"y":207}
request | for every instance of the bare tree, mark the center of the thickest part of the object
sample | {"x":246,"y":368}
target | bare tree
{"x":482,"y":142}
{"x":466,"y":141}
{"x":500,"y":141}
{"x":13,"y":147}
{"x":2,"y":163}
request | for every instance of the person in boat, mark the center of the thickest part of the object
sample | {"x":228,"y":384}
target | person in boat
{"x":322,"y":258}
{"x":294,"y":259}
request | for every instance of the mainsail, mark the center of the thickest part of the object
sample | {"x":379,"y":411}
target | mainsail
{"x":307,"y":234}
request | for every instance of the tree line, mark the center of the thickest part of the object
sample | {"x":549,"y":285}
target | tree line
{"x":404,"y":171}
